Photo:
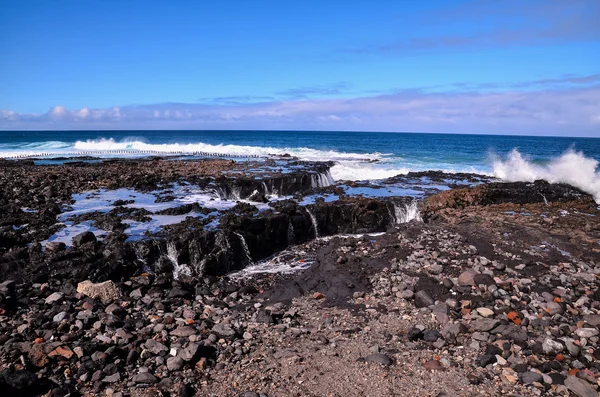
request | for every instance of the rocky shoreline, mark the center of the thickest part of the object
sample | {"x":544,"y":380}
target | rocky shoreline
{"x":485,"y":288}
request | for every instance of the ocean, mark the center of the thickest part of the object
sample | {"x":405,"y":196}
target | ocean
{"x":358,"y":155}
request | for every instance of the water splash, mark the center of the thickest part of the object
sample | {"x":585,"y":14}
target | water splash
{"x":571,"y":167}
{"x":173,"y":256}
{"x":266,"y":190}
{"x":405,"y":213}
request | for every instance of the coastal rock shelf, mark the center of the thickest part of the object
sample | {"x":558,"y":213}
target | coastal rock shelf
{"x":216,"y":216}
{"x":213,"y":277}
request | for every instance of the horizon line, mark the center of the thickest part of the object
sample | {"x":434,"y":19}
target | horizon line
{"x":301,"y":131}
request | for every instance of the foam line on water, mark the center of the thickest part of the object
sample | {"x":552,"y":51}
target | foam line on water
{"x":303,"y":153}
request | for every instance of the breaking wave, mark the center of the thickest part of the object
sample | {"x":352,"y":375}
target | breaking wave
{"x":571,"y":167}
{"x":238,"y":150}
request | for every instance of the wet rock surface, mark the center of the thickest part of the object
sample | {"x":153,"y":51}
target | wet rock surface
{"x":496,"y":294}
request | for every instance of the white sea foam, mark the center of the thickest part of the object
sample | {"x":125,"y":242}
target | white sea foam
{"x":360,"y":171}
{"x":70,"y":230}
{"x":237,"y":150}
{"x":571,"y":167}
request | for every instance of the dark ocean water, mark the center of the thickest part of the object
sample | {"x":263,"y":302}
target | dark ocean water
{"x":572,"y":160}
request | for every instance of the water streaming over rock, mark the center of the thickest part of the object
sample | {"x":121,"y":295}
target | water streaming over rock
{"x":245,"y":247}
{"x":322,"y":179}
{"x":178,"y":269}
{"x":314,"y":222}
{"x":266,"y":190}
{"x":290,"y":233}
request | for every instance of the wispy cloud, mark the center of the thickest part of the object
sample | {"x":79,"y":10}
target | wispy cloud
{"x":238,"y":99}
{"x":315,"y":90}
{"x":573,"y":111}
{"x":514,"y":22}
{"x":565,"y":80}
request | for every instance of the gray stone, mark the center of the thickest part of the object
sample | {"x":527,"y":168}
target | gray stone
{"x":592,"y":319}
{"x":452,"y":330}
{"x":112,"y":378}
{"x":82,"y":238}
{"x":165,"y":384}
{"x":431,"y":335}
{"x":55,"y":297}
{"x":60,"y":316}
{"x":467,"y":278}
{"x":183,"y":331}
{"x":422,"y":299}
{"x":572,"y":347}
{"x":155,"y":347}
{"x":435,"y":269}
{"x":484,"y":324}
{"x":440,"y":308}
{"x":190,"y":353}
{"x":145,"y":377}
{"x":586,"y":332}
{"x":551,"y":347}
{"x":580,"y":387}
{"x":175,"y":363}
{"x":55,"y":246}
{"x":552,"y":308}
{"x":529,"y":377}
{"x":223,"y":330}
{"x":379,"y":359}
{"x":484,"y":279}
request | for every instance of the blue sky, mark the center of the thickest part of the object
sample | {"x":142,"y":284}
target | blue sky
{"x":527,"y":66}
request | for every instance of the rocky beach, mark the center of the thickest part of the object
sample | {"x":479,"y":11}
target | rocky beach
{"x":221,"y":277}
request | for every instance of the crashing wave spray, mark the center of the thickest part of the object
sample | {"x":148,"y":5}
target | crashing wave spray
{"x":405,"y":213}
{"x":177,"y":268}
{"x":571,"y":167}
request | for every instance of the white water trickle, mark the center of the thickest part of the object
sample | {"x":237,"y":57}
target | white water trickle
{"x":236,"y":193}
{"x":407,"y":212}
{"x":314,"y":222}
{"x":290,"y":234}
{"x":177,"y":268}
{"x":245,"y":247}
{"x":265,"y":188}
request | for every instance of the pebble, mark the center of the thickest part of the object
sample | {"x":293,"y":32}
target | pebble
{"x":379,"y":358}
{"x":54,"y":297}
{"x":144,"y":377}
{"x":467,"y":278}
{"x":580,"y":387}
{"x":175,"y":363}
{"x":422,"y":299}
{"x":586,"y":332}
{"x":485,"y":312}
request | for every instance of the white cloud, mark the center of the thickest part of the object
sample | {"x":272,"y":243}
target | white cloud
{"x":574,"y":111}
